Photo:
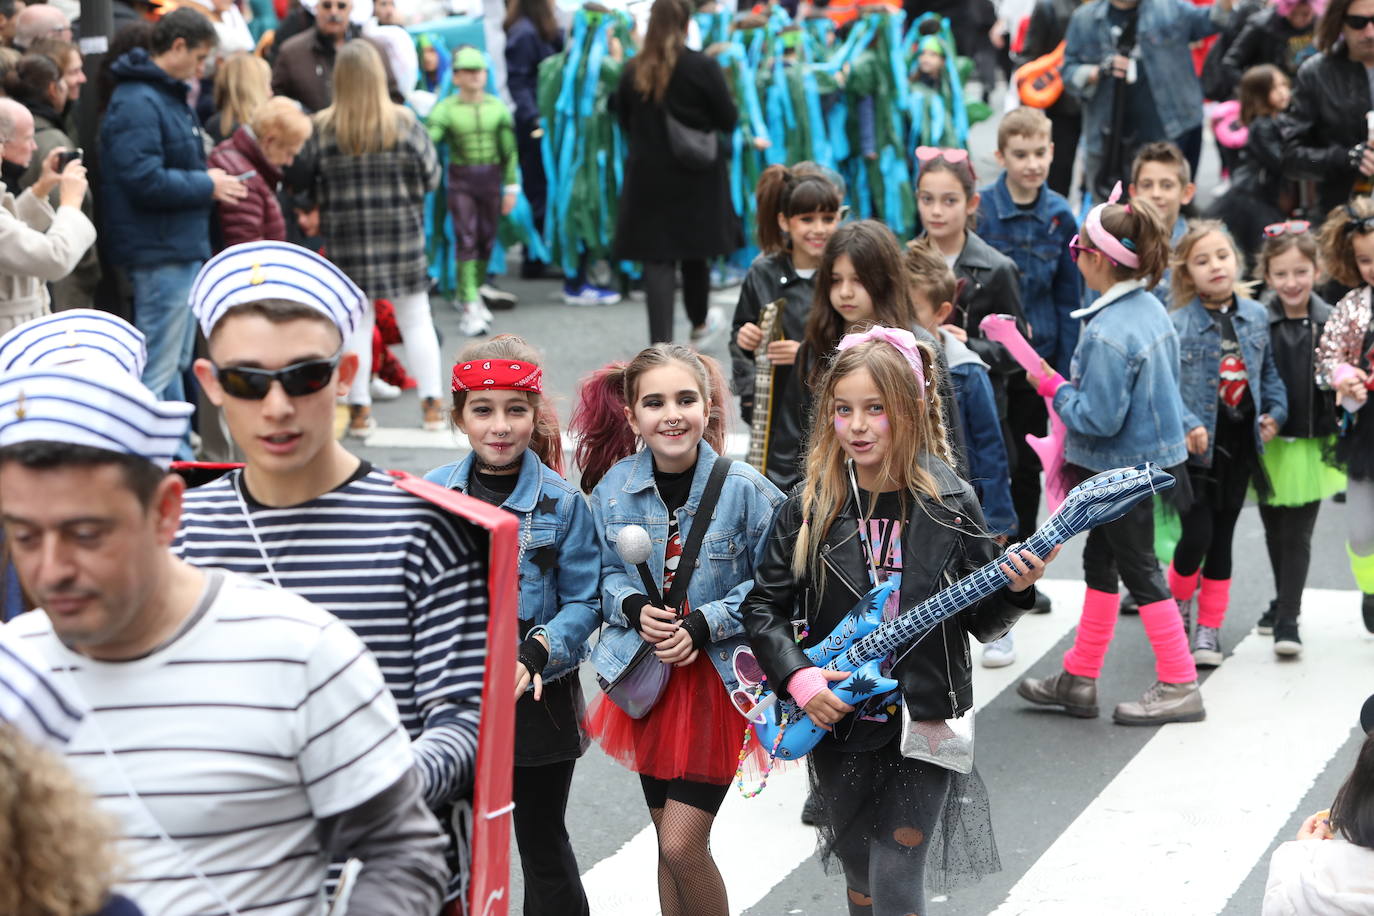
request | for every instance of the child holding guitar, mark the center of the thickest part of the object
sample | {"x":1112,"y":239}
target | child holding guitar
{"x":799,"y":209}
{"x":882,"y":502}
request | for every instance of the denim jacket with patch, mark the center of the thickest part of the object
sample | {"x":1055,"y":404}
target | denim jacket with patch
{"x":1199,"y":341}
{"x":732,"y":545}
{"x":560,"y":563}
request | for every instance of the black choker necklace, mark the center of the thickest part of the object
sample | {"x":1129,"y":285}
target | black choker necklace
{"x":497,"y":468}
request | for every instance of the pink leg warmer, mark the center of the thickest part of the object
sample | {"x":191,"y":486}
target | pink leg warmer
{"x":1212,"y":600}
{"x":1181,"y":587}
{"x":1095,"y":628}
{"x":1163,"y":626}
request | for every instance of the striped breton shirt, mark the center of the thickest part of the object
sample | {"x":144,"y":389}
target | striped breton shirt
{"x":261,"y":717}
{"x":403,"y":573}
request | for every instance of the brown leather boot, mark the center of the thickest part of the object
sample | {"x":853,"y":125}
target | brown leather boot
{"x":1163,"y":703}
{"x":1078,"y":695}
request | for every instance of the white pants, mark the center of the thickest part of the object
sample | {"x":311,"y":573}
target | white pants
{"x":419,"y":339}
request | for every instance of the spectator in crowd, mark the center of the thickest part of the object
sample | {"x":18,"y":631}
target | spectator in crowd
{"x":386,"y":12}
{"x":37,"y":83}
{"x":301,"y":758}
{"x":671,"y":213}
{"x":1281,"y":35}
{"x":230,"y":27}
{"x":1325,"y":137}
{"x":157,"y":191}
{"x":59,"y":858}
{"x":39,"y":21}
{"x":242,"y":83}
{"x":9,"y":12}
{"x":532,"y":34}
{"x":374,"y":165}
{"x":1164,"y":98}
{"x":135,"y":35}
{"x":37,"y":244}
{"x":261,"y":148}
{"x":68,"y":58}
{"x":1048,"y":24}
{"x":304,"y":69}
{"x":8,"y":58}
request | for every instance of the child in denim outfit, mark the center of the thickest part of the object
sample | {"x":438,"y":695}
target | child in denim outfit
{"x":1122,"y":407}
{"x":516,"y":457}
{"x":1234,"y":402}
{"x":1031,"y":224}
{"x":1161,"y":175}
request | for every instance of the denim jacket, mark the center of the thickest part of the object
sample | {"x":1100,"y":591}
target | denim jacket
{"x":1166,"y":29}
{"x":732,"y":545}
{"x":1038,"y":241}
{"x":560,"y":566}
{"x":1121,"y":405}
{"x":1199,"y":341}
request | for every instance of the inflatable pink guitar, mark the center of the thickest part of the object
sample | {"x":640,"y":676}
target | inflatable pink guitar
{"x":1003,"y":330}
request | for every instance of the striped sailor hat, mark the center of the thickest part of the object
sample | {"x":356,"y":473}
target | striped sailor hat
{"x":255,"y":271}
{"x":109,"y":410}
{"x":73,"y":336}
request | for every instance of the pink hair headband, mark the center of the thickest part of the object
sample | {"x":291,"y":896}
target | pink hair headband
{"x":1103,"y":240}
{"x":903,"y":341}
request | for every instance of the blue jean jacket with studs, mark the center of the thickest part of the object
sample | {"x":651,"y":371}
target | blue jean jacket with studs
{"x":559,"y":558}
{"x":732,"y":545}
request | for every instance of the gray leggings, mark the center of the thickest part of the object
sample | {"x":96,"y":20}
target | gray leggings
{"x":1359,"y":514}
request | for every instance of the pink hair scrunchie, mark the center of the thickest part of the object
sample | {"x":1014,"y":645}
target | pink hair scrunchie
{"x":903,"y":340}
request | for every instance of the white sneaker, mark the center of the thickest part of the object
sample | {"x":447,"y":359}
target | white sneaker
{"x":383,"y":390}
{"x":472,"y":323}
{"x":715,"y":320}
{"x":1000,"y":652}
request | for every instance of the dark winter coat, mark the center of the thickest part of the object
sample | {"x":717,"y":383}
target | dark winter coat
{"x":993,"y":287}
{"x":525,"y":49}
{"x":304,"y":69}
{"x":156,"y":195}
{"x":667,"y":212}
{"x":1324,"y":122}
{"x":941,"y":543}
{"x":1267,"y":38}
{"x":257,"y":216}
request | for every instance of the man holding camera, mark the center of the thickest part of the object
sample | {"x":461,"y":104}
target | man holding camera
{"x":38,"y":245}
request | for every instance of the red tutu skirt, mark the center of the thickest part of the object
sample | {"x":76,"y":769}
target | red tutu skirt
{"x":692,"y":733}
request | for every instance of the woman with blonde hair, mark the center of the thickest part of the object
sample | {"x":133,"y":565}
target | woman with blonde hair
{"x":260,"y":149}
{"x":58,"y":857}
{"x":374,"y":164}
{"x":242,"y":83}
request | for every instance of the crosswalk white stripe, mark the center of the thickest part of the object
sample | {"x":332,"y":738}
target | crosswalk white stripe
{"x":758,"y":842}
{"x":1184,"y":822}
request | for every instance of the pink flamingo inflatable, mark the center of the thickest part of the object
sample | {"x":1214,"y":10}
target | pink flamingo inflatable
{"x":1050,"y":449}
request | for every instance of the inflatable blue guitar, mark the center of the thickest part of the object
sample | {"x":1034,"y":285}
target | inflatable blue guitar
{"x":862,"y":640}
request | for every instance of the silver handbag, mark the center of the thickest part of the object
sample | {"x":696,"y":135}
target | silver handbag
{"x":947,"y":743}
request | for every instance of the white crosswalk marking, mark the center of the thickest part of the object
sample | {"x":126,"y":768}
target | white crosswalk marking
{"x":1194,"y":811}
{"x":758,"y":842}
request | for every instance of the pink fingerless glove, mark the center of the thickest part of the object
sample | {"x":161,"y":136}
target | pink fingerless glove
{"x":1049,"y":385}
{"x":803,"y":685}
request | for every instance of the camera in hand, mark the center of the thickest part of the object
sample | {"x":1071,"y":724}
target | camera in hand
{"x":66,"y":158}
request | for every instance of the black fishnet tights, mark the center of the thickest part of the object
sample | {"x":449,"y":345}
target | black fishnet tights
{"x":689,"y":883}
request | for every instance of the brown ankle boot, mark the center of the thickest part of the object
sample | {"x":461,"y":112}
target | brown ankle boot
{"x":1163,"y":703}
{"x":433,"y":415}
{"x":1078,"y":695}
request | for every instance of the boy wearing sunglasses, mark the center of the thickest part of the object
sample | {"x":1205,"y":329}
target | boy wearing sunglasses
{"x":307,"y":515}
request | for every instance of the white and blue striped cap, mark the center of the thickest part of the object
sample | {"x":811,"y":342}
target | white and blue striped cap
{"x":255,"y":271}
{"x":109,"y":410}
{"x":75,"y":335}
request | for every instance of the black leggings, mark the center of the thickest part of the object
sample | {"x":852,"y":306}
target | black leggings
{"x":1126,"y":548}
{"x":1025,"y":414}
{"x":1288,"y":535}
{"x":553,"y":883}
{"x":700,"y":795}
{"x":659,"y":285}
{"x":1207,"y":532}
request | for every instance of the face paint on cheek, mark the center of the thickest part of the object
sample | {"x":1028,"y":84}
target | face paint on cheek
{"x":880,"y":422}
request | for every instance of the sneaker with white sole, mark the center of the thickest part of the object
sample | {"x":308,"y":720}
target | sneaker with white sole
{"x":496,"y":298}
{"x":1287,"y":642}
{"x":473,"y":323}
{"x":703,"y":335}
{"x":588,"y":295}
{"x":1000,"y":652}
{"x":1207,"y":647}
{"x":383,"y":390}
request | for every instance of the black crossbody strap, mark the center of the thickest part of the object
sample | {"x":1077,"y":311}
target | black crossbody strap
{"x":687,"y":564}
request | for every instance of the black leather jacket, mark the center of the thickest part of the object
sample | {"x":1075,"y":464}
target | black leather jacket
{"x":993,"y":288}
{"x":1266,"y":38}
{"x":1311,"y":411}
{"x":771,"y":277}
{"x":1324,"y":121}
{"x":940,"y":545}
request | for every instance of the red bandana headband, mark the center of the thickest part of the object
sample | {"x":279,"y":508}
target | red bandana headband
{"x":498,"y":374}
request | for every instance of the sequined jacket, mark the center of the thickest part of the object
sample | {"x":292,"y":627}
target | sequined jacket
{"x":1343,"y":337}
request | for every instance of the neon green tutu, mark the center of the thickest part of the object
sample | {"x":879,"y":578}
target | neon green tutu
{"x":1298,"y":473}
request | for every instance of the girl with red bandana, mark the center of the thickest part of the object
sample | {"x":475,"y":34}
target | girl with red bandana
{"x":1234,"y":402}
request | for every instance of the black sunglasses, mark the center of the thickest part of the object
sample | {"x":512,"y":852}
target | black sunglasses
{"x":1358,"y":23}
{"x":298,"y":379}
